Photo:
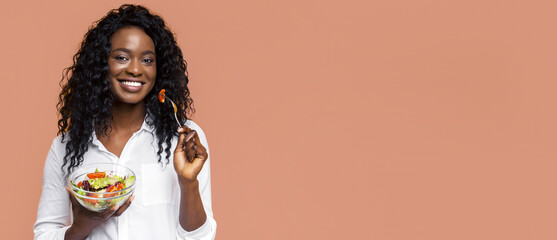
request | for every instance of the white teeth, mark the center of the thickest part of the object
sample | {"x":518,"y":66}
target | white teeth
{"x":133,"y":84}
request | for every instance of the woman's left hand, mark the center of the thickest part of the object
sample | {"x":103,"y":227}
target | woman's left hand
{"x":189,"y":156}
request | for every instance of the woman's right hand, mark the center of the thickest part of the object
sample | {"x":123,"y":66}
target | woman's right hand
{"x":85,"y":220}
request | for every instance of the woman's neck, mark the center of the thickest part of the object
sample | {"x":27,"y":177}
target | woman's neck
{"x":127,"y":117}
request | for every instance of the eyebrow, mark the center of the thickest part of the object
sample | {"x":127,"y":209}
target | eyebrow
{"x":129,"y":51}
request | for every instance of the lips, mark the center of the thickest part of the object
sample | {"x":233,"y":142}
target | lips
{"x":131,"y":85}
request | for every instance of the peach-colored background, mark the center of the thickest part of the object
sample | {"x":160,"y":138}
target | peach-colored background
{"x":328,"y":119}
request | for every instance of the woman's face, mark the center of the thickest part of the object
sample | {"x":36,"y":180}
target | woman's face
{"x":133,"y":69}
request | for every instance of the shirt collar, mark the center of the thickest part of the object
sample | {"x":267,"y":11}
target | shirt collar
{"x":145,"y":126}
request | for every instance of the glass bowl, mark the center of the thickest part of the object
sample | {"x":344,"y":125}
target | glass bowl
{"x":100,"y":201}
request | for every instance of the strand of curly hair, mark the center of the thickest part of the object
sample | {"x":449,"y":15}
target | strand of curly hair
{"x":85,"y":100}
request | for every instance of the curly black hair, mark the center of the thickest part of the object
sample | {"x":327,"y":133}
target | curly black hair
{"x":85,"y":100}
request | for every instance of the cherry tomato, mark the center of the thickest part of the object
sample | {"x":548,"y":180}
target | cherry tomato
{"x":161,"y":95}
{"x":96,"y":175}
{"x":92,"y":201}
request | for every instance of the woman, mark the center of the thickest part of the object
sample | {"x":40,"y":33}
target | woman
{"x":109,"y":113}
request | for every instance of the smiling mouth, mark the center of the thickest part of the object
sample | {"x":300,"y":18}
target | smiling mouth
{"x":131,"y":83}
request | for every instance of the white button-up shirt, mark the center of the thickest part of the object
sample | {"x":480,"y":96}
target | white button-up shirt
{"x":154,"y":212}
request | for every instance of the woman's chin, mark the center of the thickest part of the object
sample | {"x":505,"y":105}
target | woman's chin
{"x":129,"y":100}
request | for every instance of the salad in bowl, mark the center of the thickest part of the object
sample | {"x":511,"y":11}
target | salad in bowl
{"x":99,"y":187}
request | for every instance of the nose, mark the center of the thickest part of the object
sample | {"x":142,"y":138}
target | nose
{"x":134,"y":68}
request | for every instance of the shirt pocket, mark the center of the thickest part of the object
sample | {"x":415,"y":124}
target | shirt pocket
{"x":159,"y":184}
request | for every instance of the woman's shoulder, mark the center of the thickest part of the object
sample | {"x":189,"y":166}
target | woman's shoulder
{"x":60,"y":141}
{"x":194,"y":126}
{"x":55,"y":156}
{"x":58,"y":145}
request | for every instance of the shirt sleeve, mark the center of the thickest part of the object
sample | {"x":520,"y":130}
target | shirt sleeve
{"x":208,"y":230}
{"x":53,"y":216}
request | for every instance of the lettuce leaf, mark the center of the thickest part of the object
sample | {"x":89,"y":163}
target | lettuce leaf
{"x":128,"y":182}
{"x":99,"y":183}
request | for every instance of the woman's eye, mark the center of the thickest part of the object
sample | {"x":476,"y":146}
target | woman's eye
{"x":121,"y":58}
{"x":148,"y":60}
